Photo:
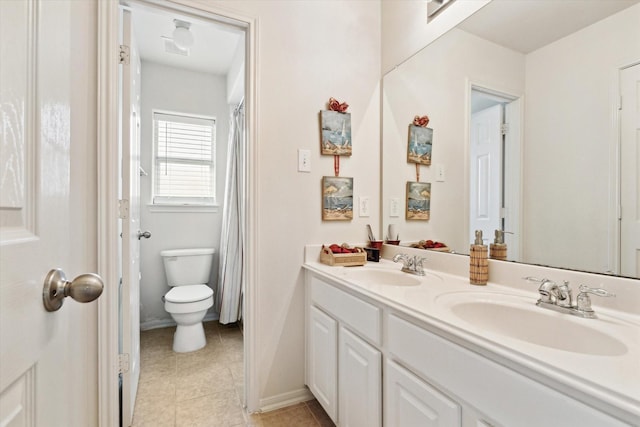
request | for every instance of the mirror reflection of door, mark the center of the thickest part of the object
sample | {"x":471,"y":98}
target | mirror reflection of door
{"x":629,"y":165}
{"x":494,"y":168}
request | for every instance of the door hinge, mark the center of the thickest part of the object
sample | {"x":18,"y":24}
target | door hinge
{"x":124,"y":54}
{"x":620,"y":103}
{"x":123,"y":209}
{"x":123,"y":363}
{"x":504,"y":128}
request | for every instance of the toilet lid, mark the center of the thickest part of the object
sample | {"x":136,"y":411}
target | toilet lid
{"x":188,"y":293}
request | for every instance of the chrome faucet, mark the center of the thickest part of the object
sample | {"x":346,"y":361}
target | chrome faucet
{"x":411,"y":265}
{"x":559,"y":297}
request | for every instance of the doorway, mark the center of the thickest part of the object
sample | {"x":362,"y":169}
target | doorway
{"x":198,"y":216}
{"x":494,"y":166}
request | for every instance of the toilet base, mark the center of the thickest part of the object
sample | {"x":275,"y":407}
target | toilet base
{"x":189,"y":338}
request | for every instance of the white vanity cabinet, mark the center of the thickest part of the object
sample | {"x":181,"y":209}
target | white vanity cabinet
{"x":344,"y":369}
{"x":419,"y":374}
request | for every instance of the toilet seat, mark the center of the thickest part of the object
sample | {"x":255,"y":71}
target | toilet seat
{"x":188,"y":294}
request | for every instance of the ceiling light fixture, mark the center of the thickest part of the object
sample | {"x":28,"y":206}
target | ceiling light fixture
{"x":182,"y":37}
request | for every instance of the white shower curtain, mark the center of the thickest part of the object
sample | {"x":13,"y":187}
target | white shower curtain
{"x":229,"y":295}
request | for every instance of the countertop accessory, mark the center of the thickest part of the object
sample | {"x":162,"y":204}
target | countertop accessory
{"x":498,"y":249}
{"x":478,"y":261}
{"x":351,"y":259}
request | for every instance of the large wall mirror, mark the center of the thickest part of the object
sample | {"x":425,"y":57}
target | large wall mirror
{"x":528,"y":134}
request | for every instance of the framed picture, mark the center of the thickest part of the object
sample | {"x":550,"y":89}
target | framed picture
{"x":418,"y":200}
{"x":337,"y":198}
{"x":419,"y":146}
{"x":336,"y":133}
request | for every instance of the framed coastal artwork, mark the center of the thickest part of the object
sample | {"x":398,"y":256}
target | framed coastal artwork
{"x":337,"y":198}
{"x":336,"y":133}
{"x":419,"y":145}
{"x":418,"y":200}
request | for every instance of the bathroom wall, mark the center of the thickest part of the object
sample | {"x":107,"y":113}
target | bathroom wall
{"x":577,"y":75}
{"x":172,"y":89}
{"x":308,"y":51}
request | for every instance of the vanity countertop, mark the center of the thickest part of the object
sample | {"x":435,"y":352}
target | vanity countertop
{"x":609,"y":380}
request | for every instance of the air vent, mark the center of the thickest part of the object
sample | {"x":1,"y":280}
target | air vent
{"x":170,"y":47}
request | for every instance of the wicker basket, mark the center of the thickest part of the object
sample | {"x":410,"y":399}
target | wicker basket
{"x":347,"y":260}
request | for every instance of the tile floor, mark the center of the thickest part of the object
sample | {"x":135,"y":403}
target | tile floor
{"x":203,"y":388}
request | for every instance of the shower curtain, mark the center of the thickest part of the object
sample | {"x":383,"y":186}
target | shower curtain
{"x":230,"y":280}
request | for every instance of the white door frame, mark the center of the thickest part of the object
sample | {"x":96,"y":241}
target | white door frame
{"x":107,"y":168}
{"x":470,"y":86}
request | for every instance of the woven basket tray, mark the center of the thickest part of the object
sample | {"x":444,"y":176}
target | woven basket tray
{"x":352,"y":259}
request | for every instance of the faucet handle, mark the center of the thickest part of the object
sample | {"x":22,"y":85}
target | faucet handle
{"x":584,"y":289}
{"x":537,"y":280}
{"x":584,"y":301}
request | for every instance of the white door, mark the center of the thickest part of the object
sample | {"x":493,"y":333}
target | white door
{"x":410,"y":402}
{"x":130,"y":214}
{"x":322,"y":371}
{"x":37,"y":377}
{"x":485,"y":164}
{"x":359,"y":382}
{"x":629,"y":167}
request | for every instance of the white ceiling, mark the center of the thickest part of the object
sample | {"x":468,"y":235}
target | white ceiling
{"x":214,"y":45}
{"x":526,"y":25}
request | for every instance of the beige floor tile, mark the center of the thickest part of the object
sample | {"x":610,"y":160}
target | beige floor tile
{"x":154,"y":412}
{"x":319,"y":414}
{"x":219,"y":409}
{"x":197,"y":383}
{"x":157,"y":387}
{"x":204,"y":388}
{"x":297,"y":415}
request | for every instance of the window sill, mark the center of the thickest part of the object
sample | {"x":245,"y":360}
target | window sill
{"x":182,"y":208}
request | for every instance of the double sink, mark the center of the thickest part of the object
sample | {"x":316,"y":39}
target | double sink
{"x":507,"y":314}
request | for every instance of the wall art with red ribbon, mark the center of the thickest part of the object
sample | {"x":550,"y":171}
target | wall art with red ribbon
{"x":337,"y":192}
{"x":419,"y":146}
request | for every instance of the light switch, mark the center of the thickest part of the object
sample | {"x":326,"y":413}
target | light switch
{"x":394,"y":207}
{"x":304,"y":160}
{"x":365,"y":206}
{"x":440,"y":173}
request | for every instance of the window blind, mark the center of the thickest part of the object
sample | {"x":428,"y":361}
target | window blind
{"x":184,"y":159}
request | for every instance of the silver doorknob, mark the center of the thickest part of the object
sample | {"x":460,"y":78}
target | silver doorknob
{"x":145,"y":234}
{"x":84,"y":288}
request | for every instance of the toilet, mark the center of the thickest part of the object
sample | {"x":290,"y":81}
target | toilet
{"x":190,"y":297}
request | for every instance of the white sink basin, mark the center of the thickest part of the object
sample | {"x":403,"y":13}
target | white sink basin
{"x":518,"y":318}
{"x":380,"y":276}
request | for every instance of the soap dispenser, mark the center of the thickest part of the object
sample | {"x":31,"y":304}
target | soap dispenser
{"x":478,"y":262}
{"x":498,"y":249}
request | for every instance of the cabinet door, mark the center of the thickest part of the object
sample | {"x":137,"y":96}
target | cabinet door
{"x":410,"y":402}
{"x":360,"y":382}
{"x":323,"y":360}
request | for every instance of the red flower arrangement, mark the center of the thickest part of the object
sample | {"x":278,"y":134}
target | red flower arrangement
{"x":421,"y":121}
{"x":334,"y":105}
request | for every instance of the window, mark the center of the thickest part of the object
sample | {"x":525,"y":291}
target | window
{"x":184,"y":162}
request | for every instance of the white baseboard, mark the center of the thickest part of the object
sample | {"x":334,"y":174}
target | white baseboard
{"x":165,"y":323}
{"x":285,"y":399}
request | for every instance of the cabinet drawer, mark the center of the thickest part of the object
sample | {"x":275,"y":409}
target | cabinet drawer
{"x":409,"y":401}
{"x":360,"y":316}
{"x":508,"y":397}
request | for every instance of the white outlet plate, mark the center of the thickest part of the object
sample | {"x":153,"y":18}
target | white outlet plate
{"x":440,"y":173}
{"x":394,"y":207}
{"x":304,"y":160}
{"x":365,"y":206}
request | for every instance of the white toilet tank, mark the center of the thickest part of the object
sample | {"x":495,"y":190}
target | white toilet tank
{"x":187,"y":266}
